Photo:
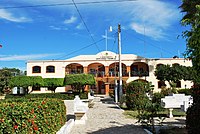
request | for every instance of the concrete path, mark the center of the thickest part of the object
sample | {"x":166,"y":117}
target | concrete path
{"x":107,"y":118}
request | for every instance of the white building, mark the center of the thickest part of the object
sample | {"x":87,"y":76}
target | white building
{"x":104,"y":66}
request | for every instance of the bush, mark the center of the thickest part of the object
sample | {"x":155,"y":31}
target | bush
{"x":186,"y":91}
{"x":28,"y":116}
{"x":61,"y":96}
{"x":136,"y":97}
{"x":193,"y":119}
{"x":193,"y":113}
{"x":42,"y":95}
{"x":156,"y":98}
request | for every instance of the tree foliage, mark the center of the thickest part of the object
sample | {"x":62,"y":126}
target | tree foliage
{"x":53,"y":83}
{"x":191,"y":9}
{"x":79,"y":81}
{"x":26,"y":81}
{"x":174,"y":73}
{"x":136,"y":97}
{"x":5,"y":76}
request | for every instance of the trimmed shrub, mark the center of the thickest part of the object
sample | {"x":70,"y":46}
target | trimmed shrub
{"x":136,"y":97}
{"x":79,"y":81}
{"x":28,"y":116}
{"x":25,"y":81}
{"x":43,"y":95}
{"x":53,"y":83}
{"x":61,"y":96}
{"x":186,"y":91}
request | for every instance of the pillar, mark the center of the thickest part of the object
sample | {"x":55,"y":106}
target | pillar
{"x":128,"y":68}
{"x":86,"y":88}
{"x":107,"y":89}
{"x":85,"y":70}
{"x":106,"y":70}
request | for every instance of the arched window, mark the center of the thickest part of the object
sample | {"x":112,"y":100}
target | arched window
{"x":50,"y":69}
{"x":36,"y":69}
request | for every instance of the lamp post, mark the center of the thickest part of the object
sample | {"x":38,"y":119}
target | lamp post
{"x":120,"y":62}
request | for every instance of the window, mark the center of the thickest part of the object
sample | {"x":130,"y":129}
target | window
{"x":161,"y":84}
{"x":36,"y":69}
{"x":50,"y":69}
{"x":178,"y":84}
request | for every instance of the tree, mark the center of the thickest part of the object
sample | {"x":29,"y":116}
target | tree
{"x":26,"y":81}
{"x":79,"y":81}
{"x":191,"y":9}
{"x":5,"y":76}
{"x":167,"y":73}
{"x":53,"y":83}
{"x":174,"y":73}
{"x":136,"y":98}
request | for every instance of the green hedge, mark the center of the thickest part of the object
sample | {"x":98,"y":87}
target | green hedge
{"x":62,"y":96}
{"x":186,"y":91}
{"x":28,"y":116}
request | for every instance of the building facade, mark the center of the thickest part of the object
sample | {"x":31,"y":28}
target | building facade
{"x":105,"y":67}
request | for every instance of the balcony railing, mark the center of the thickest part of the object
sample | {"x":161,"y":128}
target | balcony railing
{"x":75,"y":72}
{"x":140,"y":73}
{"x":98,"y":73}
{"x":113,"y":74}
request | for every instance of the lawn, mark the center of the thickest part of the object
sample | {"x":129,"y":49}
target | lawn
{"x":176,"y":113}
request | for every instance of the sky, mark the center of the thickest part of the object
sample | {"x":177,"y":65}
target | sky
{"x":61,"y":29}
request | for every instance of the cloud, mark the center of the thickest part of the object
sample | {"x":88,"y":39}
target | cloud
{"x":80,"y":26}
{"x":155,"y":16}
{"x":58,"y":28}
{"x":25,"y":57}
{"x":153,"y":32}
{"x":10,"y":17}
{"x":71,"y":20}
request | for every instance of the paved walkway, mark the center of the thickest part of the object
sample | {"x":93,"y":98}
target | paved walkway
{"x":107,"y":118}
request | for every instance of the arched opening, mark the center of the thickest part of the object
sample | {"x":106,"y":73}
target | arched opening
{"x":36,"y":69}
{"x":141,"y":80}
{"x":97,"y":69}
{"x":74,"y":68}
{"x":139,"y":69}
{"x":114,"y":69}
{"x":159,"y":65}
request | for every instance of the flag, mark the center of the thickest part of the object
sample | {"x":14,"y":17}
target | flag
{"x":1,"y":46}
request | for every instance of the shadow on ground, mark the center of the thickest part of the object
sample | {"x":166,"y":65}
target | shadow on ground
{"x":126,"y":129}
{"x":176,"y":122}
{"x":108,"y":100}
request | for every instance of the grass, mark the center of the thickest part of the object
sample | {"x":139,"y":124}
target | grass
{"x":134,"y":114}
{"x":130,"y":114}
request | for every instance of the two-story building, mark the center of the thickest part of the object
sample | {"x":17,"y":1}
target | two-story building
{"x":105,"y":67}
